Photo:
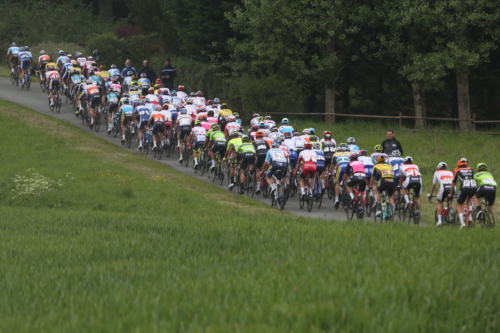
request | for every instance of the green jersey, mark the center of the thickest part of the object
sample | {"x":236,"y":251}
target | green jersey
{"x":245,"y":147}
{"x":217,"y":136}
{"x":234,"y":142}
{"x":484,"y":178}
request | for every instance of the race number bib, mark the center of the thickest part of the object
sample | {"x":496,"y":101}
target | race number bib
{"x":470,"y":183}
{"x":489,"y":181}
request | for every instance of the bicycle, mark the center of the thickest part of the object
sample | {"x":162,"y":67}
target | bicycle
{"x":470,"y":218}
{"x":56,"y":101}
{"x":217,"y":172}
{"x":14,"y":76}
{"x":27,"y":80}
{"x":264,"y":186}
{"x":369,"y":202}
{"x":294,"y":185}
{"x":201,"y":161}
{"x":279,"y":196}
{"x":186,"y":151}
{"x":97,"y":120}
{"x":449,"y":214}
{"x":129,"y":135}
{"x":146,"y":137}
{"x":385,"y":208}
{"x":117,"y":126}
{"x":330,"y":186}
{"x":308,"y":196}
{"x":344,"y":197}
{"x":399,"y":201}
{"x":249,"y":182}
{"x":43,"y":85}
{"x":486,"y":219}
{"x":317,"y":190}
{"x":355,"y":205}
{"x":410,"y":209}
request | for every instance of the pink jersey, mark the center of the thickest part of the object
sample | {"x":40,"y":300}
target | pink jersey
{"x":206,"y":126}
{"x":409,"y":170}
{"x":116,"y":86}
{"x":357,"y":167}
{"x":212,"y":120}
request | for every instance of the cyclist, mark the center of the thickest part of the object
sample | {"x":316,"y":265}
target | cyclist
{"x":13,"y":56}
{"x":383,"y":177}
{"x":378,"y":151}
{"x":61,"y":60}
{"x":144,"y":83}
{"x":285,"y":126}
{"x":112,"y":103}
{"x":232,"y":144}
{"x":444,"y":178}
{"x":43,"y":60}
{"x":340,"y":161}
{"x":215,"y":142}
{"x":468,"y":186}
{"x":309,"y":168}
{"x":255,"y":120}
{"x":232,"y":126}
{"x":157,"y":120}
{"x":263,"y":128}
{"x":65,"y":72}
{"x":269,"y":122}
{"x":410,"y":177}
{"x":276,"y":159}
{"x":487,"y":188}
{"x":142,"y":116}
{"x":53,"y":77}
{"x":355,"y":175}
{"x":165,"y":110}
{"x":198,"y":136}
{"x":328,"y":146}
{"x":82,"y":60}
{"x":320,"y":161}
{"x":351,"y":142}
{"x":395,"y":160}
{"x":184,"y":125}
{"x":26,"y":59}
{"x":246,"y":158}
{"x":261,"y":148}
{"x":305,"y":135}
{"x":299,"y":142}
{"x":367,"y":162}
{"x":91,"y":92}
{"x":181,"y":92}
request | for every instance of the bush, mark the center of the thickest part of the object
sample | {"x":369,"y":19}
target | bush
{"x":52,"y":48}
{"x":140,"y":47}
{"x":111,"y":49}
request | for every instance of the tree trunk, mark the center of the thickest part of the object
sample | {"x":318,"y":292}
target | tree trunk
{"x":330,"y":101}
{"x":419,"y":103}
{"x":464,"y":114}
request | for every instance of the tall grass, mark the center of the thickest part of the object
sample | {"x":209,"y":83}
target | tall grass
{"x":126,"y":244}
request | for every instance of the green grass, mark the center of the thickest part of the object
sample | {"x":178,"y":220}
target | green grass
{"x":130,"y":245}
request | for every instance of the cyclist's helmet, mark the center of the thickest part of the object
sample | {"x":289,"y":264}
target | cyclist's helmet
{"x":316,"y":145}
{"x":441,"y":166}
{"x":183,"y":111}
{"x":259,"y":134}
{"x":307,"y":145}
{"x":261,"y":119}
{"x":236,"y":115}
{"x":143,"y":75}
{"x":213,"y":126}
{"x":245,"y":139}
{"x":158,"y":108}
{"x":343,"y":147}
{"x":209,"y":102}
{"x":42,"y":52}
{"x":158,"y":81}
{"x":313,"y":138}
{"x":142,"y":101}
{"x":312,"y":131}
{"x":351,"y":140}
{"x":125,"y":101}
{"x":462,"y":162}
{"x":50,"y":68}
{"x":21,"y":49}
{"x":71,"y":56}
{"x":233,"y":134}
{"x":254,"y":128}
{"x":197,"y":123}
{"x":482,"y":167}
{"x":354,"y":157}
{"x":396,"y":153}
{"x":284,"y":121}
{"x":113,"y":66}
{"x":295,"y":133}
{"x":380,"y":159}
{"x":232,"y":118}
{"x":26,"y":48}
{"x":255,"y":115}
{"x":274,"y":129}
{"x":267,"y":117}
{"x":90,"y":58}
{"x":216,"y":100}
{"x":210,"y":113}
{"x":241,"y":129}
{"x":189,"y":100}
{"x":203,"y":118}
{"x":306,"y":131}
{"x":13,"y":44}
{"x":287,"y":135}
{"x":151,"y":91}
{"x":408,"y":159}
{"x":134,"y":88}
{"x":181,"y":88}
{"x":164,"y":107}
{"x":281,"y":138}
{"x":378,"y":148}
{"x":199,"y":93}
{"x":327,"y":134}
{"x":61,"y":52}
{"x":115,"y":80}
{"x":363,"y":153}
{"x":275,"y":144}
{"x":89,"y":81}
{"x":262,"y":124}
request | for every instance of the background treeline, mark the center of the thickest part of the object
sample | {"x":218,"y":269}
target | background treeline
{"x":436,"y":58}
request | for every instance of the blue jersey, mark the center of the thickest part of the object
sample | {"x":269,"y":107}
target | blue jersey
{"x":320,"y":158}
{"x":144,"y":83}
{"x":61,"y":60}
{"x":114,"y":72}
{"x":128,"y":110}
{"x":143,"y":110}
{"x":113,"y":98}
{"x":128,"y":71}
{"x":395,"y":162}
{"x":13,"y":50}
{"x":275,"y":155}
{"x":353,"y":148}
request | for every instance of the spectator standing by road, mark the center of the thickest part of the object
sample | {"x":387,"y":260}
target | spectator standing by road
{"x":391,"y":144}
{"x":168,"y":73}
{"x":150,"y":73}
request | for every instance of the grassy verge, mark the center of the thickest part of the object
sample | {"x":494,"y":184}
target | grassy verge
{"x":115,"y":242}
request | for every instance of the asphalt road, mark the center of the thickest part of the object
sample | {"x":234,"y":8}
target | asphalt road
{"x":37,"y":100}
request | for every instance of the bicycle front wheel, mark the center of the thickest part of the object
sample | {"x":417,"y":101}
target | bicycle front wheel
{"x":310,"y":202}
{"x":489,"y":219}
{"x":349,"y":210}
{"x":250,"y":184}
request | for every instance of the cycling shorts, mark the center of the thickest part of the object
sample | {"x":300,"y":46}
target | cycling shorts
{"x":54,"y":83}
{"x":415,"y":183}
{"x":465,"y":192}
{"x":278,"y":170}
{"x":94,"y":100}
{"x":308,"y":169}
{"x":328,"y":161}
{"x":65,"y":75}
{"x":246,"y":159}
{"x":219,"y":146}
{"x":293,"y":158}
{"x":443,"y":192}
{"x":261,"y":158}
{"x":158,"y":127}
{"x":197,"y":145}
{"x":25,"y":64}
{"x":487,"y":192}
{"x":143,"y":121}
{"x":320,"y":166}
{"x":386,"y":185}
{"x":185,"y":131}
{"x":357,"y":179}
{"x":113,"y":107}
{"x":369,"y":171}
{"x":340,"y":172}
{"x":126,"y":119}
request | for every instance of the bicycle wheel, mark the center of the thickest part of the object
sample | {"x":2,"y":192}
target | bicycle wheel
{"x":369,"y":204}
{"x":272,"y":199}
{"x":12,"y":81}
{"x":293,"y":186}
{"x":58,"y":104}
{"x":114,"y":130}
{"x":451,"y":218}
{"x":319,"y":197}
{"x":185,"y":154}
{"x":350,"y":210}
{"x":389,"y":212}
{"x":221,"y":175}
{"x":97,"y":122}
{"x":145,"y":146}
{"x":250,"y":184}
{"x":345,"y":199}
{"x":489,"y":219}
{"x":358,"y":209}
{"x":52,"y":106}
{"x":42,"y":85}
{"x":310,"y":201}
{"x":213,"y":172}
{"x":28,"y":83}
{"x":128,"y":137}
{"x":379,"y":218}
{"x":160,"y":150}
{"x":470,"y":219}
{"x":201,"y":164}
{"x":301,"y":202}
{"x":416,"y":215}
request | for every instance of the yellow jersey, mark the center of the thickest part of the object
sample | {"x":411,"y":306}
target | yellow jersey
{"x":383,"y":171}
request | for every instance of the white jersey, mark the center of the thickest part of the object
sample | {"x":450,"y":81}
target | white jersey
{"x":305,"y":137}
{"x":299,"y":142}
{"x":375,"y":155}
{"x":265,"y":131}
{"x":157,"y":117}
{"x":409,"y":170}
{"x":290,"y":144}
{"x":367,"y":161}
{"x":82,"y":60}
{"x":167,"y":114}
{"x":308,"y":156}
{"x":274,"y":136}
{"x":199,"y":133}
{"x":190,"y":108}
{"x":181,"y":94}
{"x":166,"y":99}
{"x":232,"y":127}
{"x":254,"y":121}
{"x":184,"y":120}
{"x":152,"y":98}
{"x":201,"y":114}
{"x":443,"y":177}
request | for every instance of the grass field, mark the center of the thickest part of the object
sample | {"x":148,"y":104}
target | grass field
{"x":93,"y":238}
